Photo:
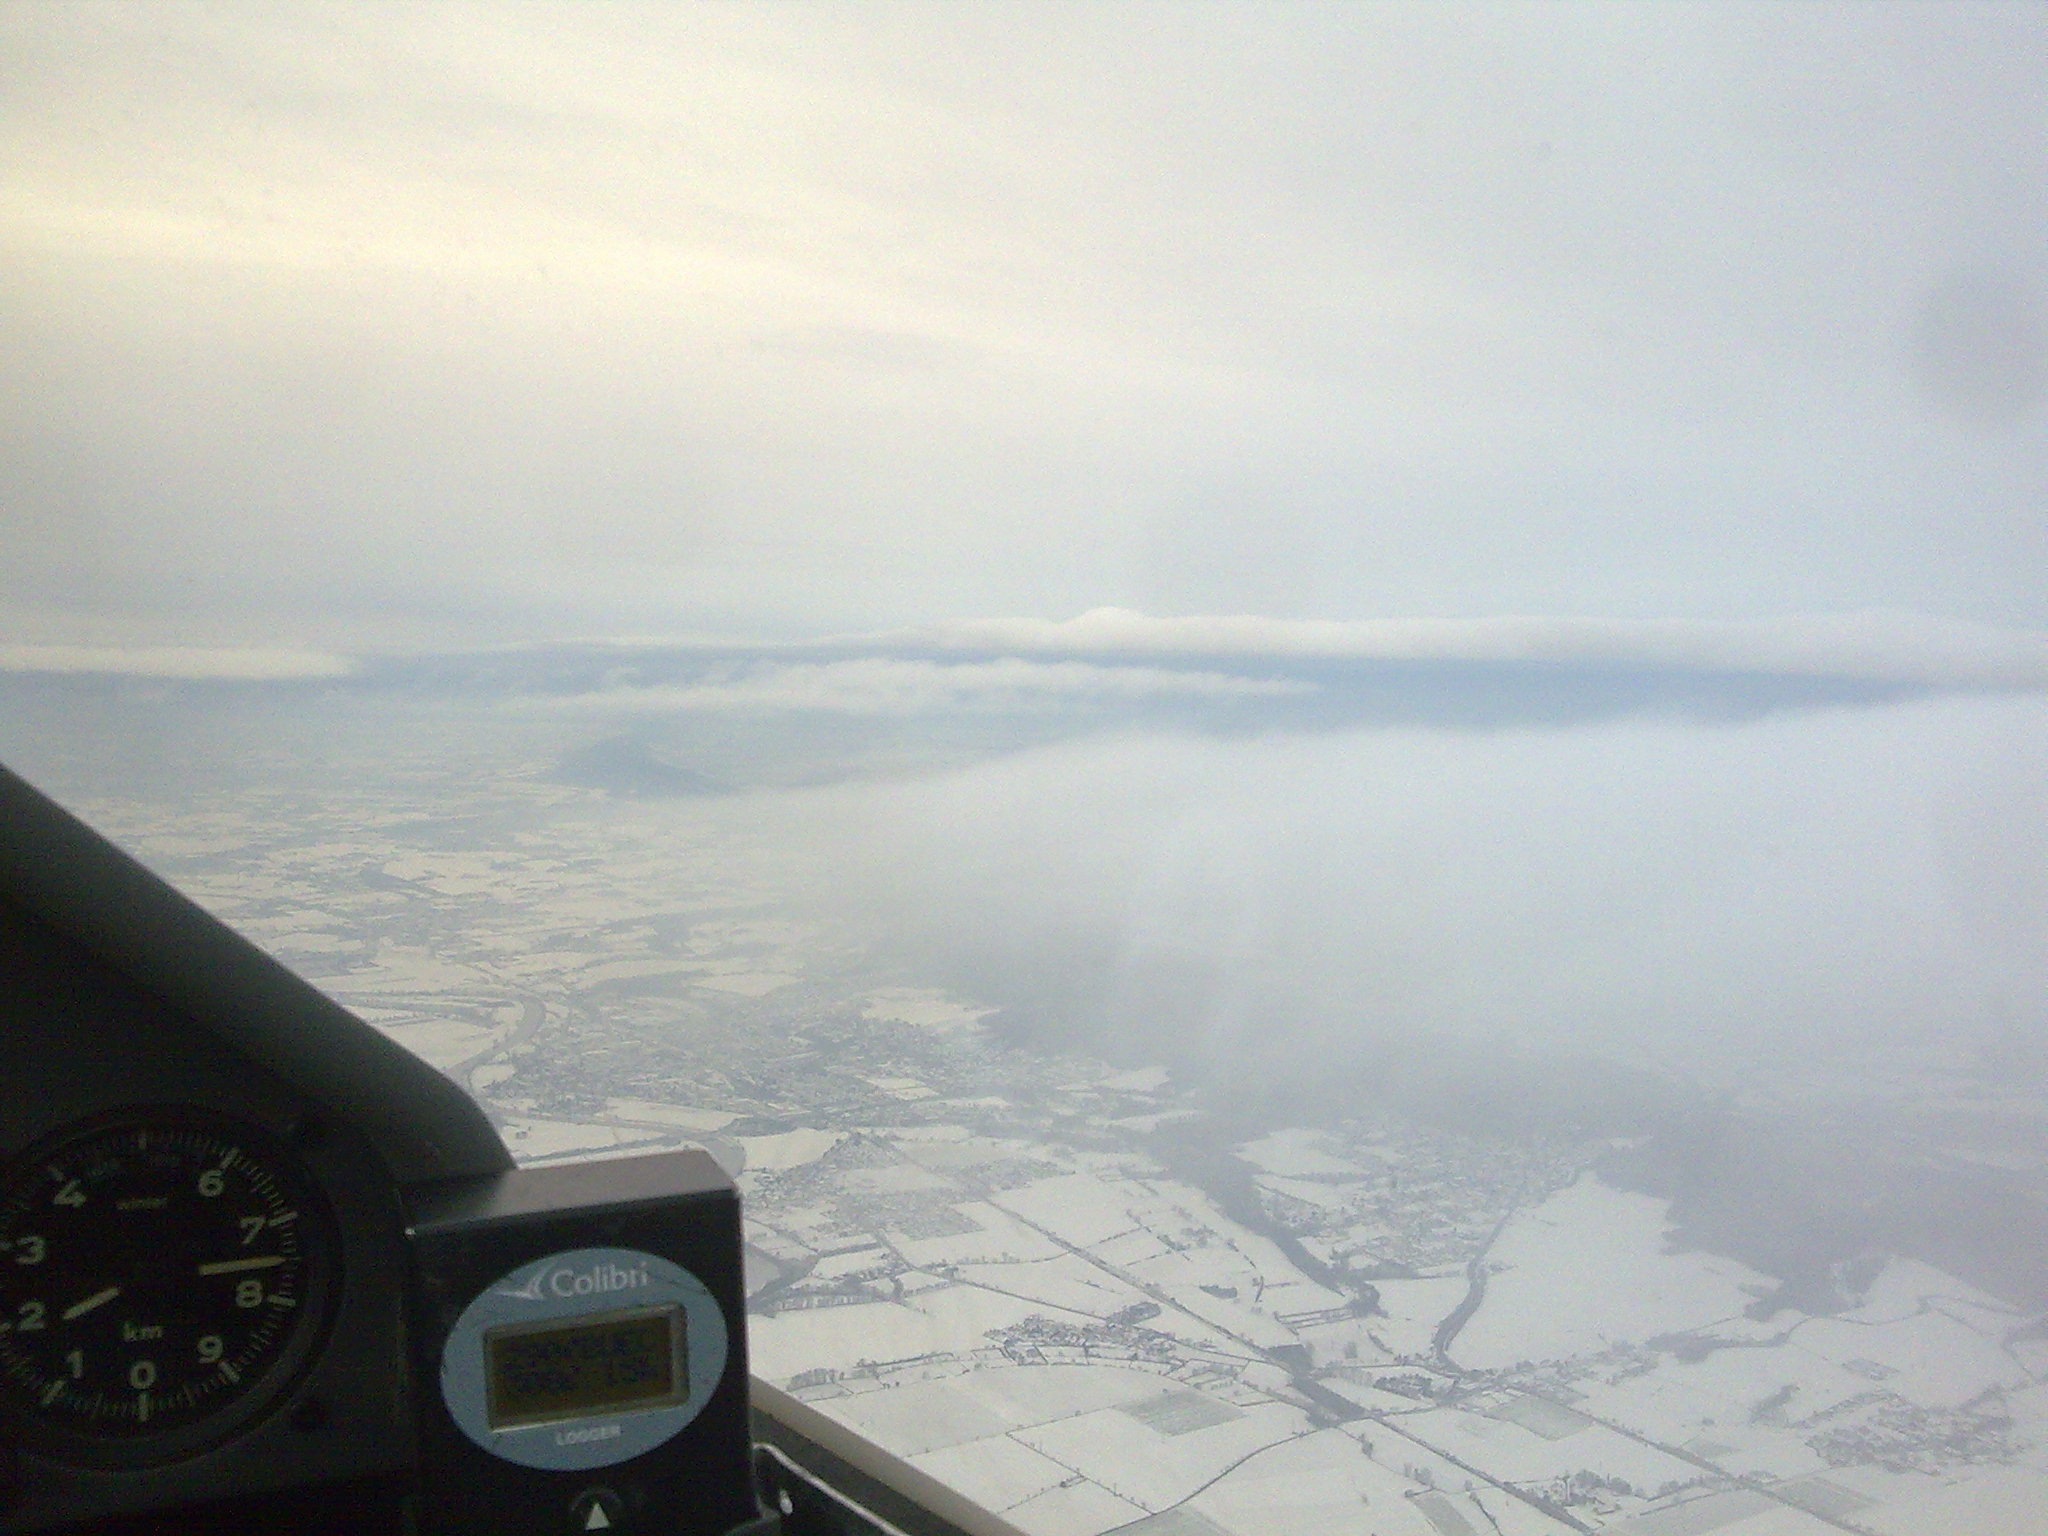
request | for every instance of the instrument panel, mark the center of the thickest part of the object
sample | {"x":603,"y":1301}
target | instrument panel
{"x":262,"y":1270}
{"x":164,"y":1275}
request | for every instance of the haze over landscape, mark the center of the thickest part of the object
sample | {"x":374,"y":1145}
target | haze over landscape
{"x":1317,"y":733}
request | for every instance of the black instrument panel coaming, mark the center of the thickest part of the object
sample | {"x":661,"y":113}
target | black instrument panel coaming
{"x":90,"y":1056}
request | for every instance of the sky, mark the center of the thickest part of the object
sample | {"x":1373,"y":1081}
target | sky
{"x":339,"y":329}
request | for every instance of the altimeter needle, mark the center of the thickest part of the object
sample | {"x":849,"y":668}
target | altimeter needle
{"x":236,"y":1266}
{"x":78,"y":1309}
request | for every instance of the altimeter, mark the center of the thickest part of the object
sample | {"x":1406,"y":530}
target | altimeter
{"x":164,"y":1274}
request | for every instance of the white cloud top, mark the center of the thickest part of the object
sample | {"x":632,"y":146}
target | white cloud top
{"x":186,"y":663}
{"x":1900,"y":647}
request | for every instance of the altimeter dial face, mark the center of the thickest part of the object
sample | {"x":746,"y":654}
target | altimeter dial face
{"x":162,"y":1274}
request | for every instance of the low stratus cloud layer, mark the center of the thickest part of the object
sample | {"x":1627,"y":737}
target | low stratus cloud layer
{"x":1759,"y":903}
{"x":1115,"y":657}
{"x":1118,"y":656}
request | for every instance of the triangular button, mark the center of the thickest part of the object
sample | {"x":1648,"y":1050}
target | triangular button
{"x":597,"y":1509}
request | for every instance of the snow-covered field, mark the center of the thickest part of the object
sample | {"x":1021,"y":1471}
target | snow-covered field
{"x":926,"y":1007}
{"x":789,"y":1149}
{"x":1296,"y":1153}
{"x":1590,"y":1267}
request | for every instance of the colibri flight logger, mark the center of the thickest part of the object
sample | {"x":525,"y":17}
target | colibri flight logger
{"x":578,"y":1333}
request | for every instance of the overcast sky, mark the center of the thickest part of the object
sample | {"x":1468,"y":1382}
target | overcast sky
{"x":361,"y":326}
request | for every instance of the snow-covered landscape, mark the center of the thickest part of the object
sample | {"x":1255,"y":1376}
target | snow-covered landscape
{"x":1070,"y":1290}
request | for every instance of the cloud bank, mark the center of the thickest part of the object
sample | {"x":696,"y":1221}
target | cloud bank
{"x":1753,"y":902}
{"x":182,"y":663}
{"x":1248,"y":669}
{"x":886,"y":685}
{"x":1877,"y":646}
